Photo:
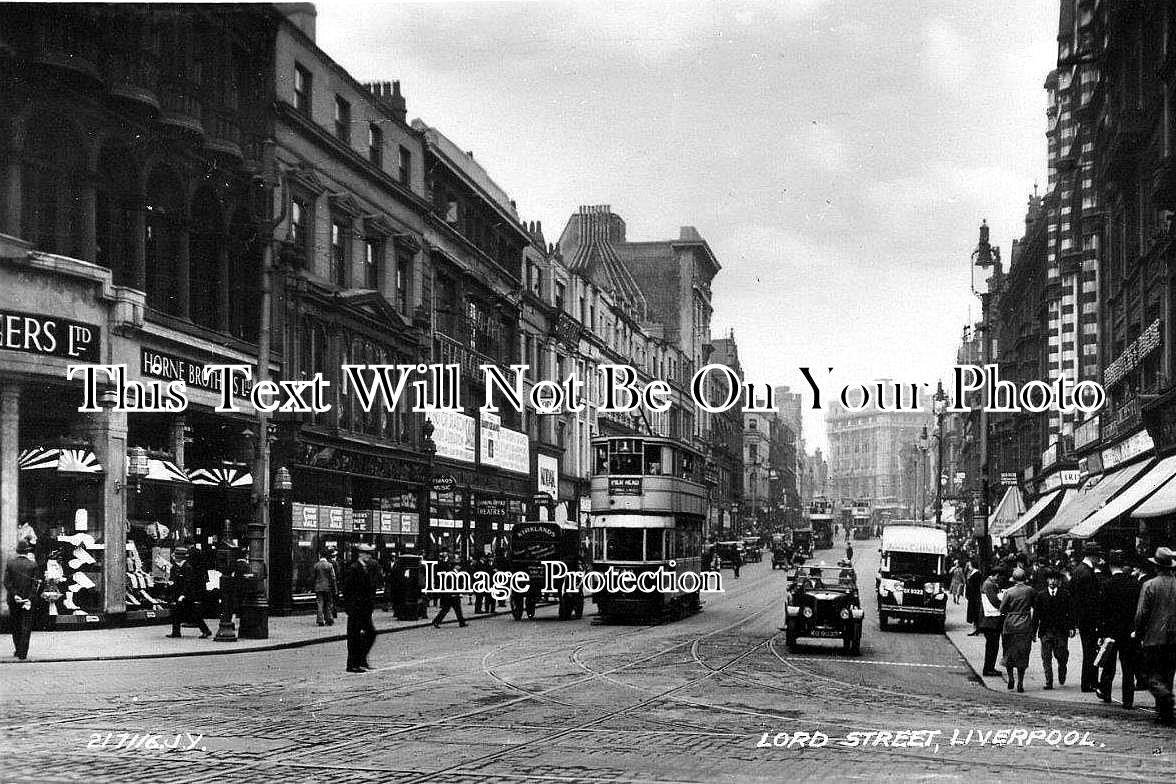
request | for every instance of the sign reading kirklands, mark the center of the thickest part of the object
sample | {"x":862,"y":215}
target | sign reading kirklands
{"x":49,"y":336}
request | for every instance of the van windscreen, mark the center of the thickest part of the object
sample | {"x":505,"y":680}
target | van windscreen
{"x":914,"y":564}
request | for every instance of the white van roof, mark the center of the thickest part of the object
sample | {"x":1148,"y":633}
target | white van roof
{"x":914,"y":539}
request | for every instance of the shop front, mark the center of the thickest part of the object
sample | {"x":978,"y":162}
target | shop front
{"x":341,"y":496}
{"x":63,"y":480}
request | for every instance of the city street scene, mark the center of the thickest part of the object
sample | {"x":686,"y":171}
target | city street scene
{"x":578,"y":393}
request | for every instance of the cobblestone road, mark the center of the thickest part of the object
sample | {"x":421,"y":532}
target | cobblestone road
{"x":545,"y":701}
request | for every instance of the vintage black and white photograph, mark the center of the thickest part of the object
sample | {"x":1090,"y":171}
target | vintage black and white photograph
{"x":567,"y":392}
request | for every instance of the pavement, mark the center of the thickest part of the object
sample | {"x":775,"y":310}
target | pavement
{"x":972,"y":649}
{"x":716,"y":698}
{"x":150,"y":642}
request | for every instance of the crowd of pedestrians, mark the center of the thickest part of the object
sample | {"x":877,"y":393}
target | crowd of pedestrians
{"x":1122,"y":610}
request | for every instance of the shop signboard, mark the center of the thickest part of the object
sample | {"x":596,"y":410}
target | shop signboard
{"x":1070,"y":477}
{"x":304,"y":516}
{"x":50,"y":336}
{"x":503,"y":448}
{"x":444,"y":483}
{"x":1008,"y":478}
{"x":334,"y":518}
{"x":365,"y":520}
{"x":1125,"y":419}
{"x":547,"y":475}
{"x":453,"y":433}
{"x":195,"y":375}
{"x":1138,"y":350}
{"x":491,"y":509}
{"x":1126,"y":449}
{"x":1087,"y":432}
{"x":410,"y":523}
{"x":1049,"y":456}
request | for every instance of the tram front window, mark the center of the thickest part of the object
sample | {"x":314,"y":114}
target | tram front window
{"x":653,"y":544}
{"x":625,"y":463}
{"x":624,"y":544}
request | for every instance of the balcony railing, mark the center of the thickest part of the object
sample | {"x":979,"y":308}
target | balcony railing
{"x":181,"y":106}
{"x":133,"y":76}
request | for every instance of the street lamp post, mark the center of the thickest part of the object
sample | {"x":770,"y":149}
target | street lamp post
{"x":429,"y":448}
{"x":924,"y":446}
{"x":939,"y":405}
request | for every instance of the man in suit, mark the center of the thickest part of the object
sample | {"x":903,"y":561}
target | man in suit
{"x":188,"y":585}
{"x":359,"y":599}
{"x":1155,"y":631}
{"x":1120,"y":600}
{"x":449,"y":600}
{"x":973,"y":578}
{"x":991,"y":621}
{"x":326,"y":587}
{"x":1086,"y":588}
{"x":22,"y":582}
{"x":1055,"y":626}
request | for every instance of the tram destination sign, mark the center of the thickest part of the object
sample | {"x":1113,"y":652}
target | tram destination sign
{"x":624,"y":485}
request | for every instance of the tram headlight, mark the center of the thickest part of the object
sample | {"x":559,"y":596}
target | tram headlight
{"x":808,"y":612}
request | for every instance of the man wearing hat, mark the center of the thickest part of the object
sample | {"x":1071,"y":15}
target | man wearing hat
{"x":22,"y":583}
{"x":1086,"y":588}
{"x":188,"y":585}
{"x":1120,"y":600}
{"x":359,"y":599}
{"x":1155,"y":631}
{"x":326,"y":587}
{"x":1054,"y":610}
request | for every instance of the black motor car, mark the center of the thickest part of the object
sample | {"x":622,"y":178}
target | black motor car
{"x":823,"y":602}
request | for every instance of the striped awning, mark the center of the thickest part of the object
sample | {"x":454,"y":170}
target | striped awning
{"x":65,"y":461}
{"x":221,"y":477}
{"x":161,"y":470}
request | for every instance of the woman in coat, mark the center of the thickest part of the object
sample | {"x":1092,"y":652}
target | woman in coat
{"x":1019,"y":626}
{"x":957,"y":582}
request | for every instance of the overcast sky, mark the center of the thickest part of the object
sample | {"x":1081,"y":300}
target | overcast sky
{"x":837,"y":155}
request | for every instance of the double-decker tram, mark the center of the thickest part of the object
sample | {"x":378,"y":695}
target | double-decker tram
{"x":821,"y":518}
{"x":649,"y":503}
{"x":862,"y":525}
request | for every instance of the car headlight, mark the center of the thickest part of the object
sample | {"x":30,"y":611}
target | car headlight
{"x":792,"y":612}
{"x":931,"y":587}
{"x":808,"y":612}
{"x":845,"y":614}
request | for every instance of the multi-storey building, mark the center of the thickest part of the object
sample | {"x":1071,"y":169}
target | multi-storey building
{"x":865,"y":446}
{"x":726,"y":443}
{"x":354,"y":217}
{"x":475,"y":245}
{"x":136,"y":216}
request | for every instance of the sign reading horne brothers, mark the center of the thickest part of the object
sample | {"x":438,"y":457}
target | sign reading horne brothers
{"x":436,"y":388}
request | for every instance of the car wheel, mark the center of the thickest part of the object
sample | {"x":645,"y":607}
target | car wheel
{"x":516,"y":609}
{"x":578,"y":608}
{"x":790,"y":638}
{"x":883,"y":621}
{"x":939,"y":625}
{"x":856,"y":648}
{"x":565,"y":610}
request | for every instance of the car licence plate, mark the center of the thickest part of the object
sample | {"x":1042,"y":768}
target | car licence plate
{"x":826,"y":633}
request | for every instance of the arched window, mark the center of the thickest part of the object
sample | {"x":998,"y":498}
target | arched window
{"x":244,"y":277}
{"x":165,"y":213}
{"x":50,"y":200}
{"x":114,"y":219}
{"x":207,"y":240}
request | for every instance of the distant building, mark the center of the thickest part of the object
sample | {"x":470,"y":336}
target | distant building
{"x":865,"y":448}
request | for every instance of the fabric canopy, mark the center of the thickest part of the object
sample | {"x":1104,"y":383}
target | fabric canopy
{"x":1034,"y":512}
{"x":66,"y":461}
{"x":1144,"y":487}
{"x":221,"y":477}
{"x":1007,"y":512}
{"x":1162,"y":503}
{"x":164,"y":471}
{"x":1089,"y":499}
